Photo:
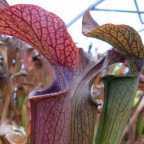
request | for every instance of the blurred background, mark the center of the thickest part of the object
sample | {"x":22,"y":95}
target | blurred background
{"x":23,"y":69}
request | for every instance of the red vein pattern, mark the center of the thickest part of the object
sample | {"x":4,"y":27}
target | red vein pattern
{"x":43,"y":30}
{"x":51,"y":119}
{"x":123,"y":37}
{"x":65,"y":117}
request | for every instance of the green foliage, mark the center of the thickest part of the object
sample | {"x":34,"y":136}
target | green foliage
{"x":140,"y":125}
{"x":119,"y":96}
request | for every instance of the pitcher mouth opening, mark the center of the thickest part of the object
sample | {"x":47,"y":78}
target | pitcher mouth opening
{"x":49,"y":91}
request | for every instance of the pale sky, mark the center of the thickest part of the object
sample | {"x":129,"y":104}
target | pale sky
{"x":68,"y":9}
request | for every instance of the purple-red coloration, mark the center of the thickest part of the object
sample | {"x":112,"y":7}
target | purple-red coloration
{"x":3,"y":4}
{"x":51,"y":118}
{"x":43,"y":30}
{"x":56,"y":111}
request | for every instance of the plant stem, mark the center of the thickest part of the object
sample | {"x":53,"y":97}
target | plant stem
{"x":119,"y":96}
